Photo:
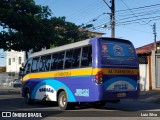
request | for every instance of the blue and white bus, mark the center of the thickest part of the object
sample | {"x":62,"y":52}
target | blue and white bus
{"x":95,"y":71}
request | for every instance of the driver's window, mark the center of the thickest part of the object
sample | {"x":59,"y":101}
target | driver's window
{"x":27,"y":68}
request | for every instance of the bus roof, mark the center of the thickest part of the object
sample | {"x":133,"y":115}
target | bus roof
{"x":61,"y":48}
{"x":73,"y":45}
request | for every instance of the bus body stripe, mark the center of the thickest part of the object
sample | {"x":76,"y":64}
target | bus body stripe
{"x":81,"y":73}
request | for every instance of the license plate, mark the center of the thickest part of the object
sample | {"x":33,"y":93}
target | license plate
{"x":121,"y":94}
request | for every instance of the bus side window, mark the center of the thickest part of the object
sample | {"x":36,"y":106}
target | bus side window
{"x":34,"y":64}
{"x":76,"y":58}
{"x":60,"y":60}
{"x":27,"y":67}
{"x":47,"y":62}
{"x":41,"y":63}
{"x":54,"y":61}
{"x":86,"y":59}
{"x":68,"y":59}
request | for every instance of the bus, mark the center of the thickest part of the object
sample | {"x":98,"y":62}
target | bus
{"x":94,"y":71}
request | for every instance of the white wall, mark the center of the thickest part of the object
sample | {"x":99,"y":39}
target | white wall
{"x":14,"y":67}
{"x":144,"y":77}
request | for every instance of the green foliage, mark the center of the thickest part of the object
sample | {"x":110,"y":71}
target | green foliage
{"x":29,"y":26}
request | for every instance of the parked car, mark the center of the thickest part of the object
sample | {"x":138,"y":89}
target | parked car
{"x":15,"y":83}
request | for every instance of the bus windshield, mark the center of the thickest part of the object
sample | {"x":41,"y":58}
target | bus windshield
{"x":117,"y":53}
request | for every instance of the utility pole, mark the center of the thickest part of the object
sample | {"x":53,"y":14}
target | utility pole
{"x":112,"y":19}
{"x":155,"y":35}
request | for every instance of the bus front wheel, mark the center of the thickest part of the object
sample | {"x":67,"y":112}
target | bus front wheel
{"x":28,"y":99}
{"x":63,"y":101}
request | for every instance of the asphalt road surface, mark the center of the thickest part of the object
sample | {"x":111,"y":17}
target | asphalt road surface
{"x":126,"y":108}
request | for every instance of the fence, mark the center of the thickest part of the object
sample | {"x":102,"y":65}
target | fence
{"x":144,"y":73}
{"x":6,"y":79}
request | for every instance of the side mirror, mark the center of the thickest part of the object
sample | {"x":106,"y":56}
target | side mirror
{"x":23,"y":65}
{"x":21,"y":69}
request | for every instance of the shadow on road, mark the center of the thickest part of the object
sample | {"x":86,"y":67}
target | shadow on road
{"x":124,"y":108}
{"x":18,"y":103}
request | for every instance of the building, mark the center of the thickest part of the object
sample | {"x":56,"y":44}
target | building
{"x":2,"y":69}
{"x":92,"y":33}
{"x":14,"y":61}
{"x":149,"y":63}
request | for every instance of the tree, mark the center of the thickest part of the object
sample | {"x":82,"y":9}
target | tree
{"x":30,"y":26}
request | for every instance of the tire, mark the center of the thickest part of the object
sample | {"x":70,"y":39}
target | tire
{"x":63,"y":101}
{"x":98,"y":104}
{"x":28,"y":99}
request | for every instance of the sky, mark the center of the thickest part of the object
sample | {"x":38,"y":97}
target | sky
{"x":134,"y":18}
{"x":135,"y":25}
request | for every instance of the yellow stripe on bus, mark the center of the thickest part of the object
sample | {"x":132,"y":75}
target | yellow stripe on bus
{"x":61,"y":73}
{"x":81,"y":72}
{"x":116,"y":71}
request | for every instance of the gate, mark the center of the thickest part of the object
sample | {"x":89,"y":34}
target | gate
{"x":158,"y":71}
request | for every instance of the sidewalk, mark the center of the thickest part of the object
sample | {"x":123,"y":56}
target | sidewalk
{"x":152,"y":96}
{"x":10,"y":90}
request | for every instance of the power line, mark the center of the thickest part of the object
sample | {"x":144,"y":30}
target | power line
{"x":140,"y":13}
{"x":96,"y":18}
{"x":83,"y":10}
{"x":131,"y":10}
{"x":106,"y":4}
{"x":150,"y":12}
{"x":130,"y":21}
{"x":87,"y":13}
{"x":138,"y":8}
{"x":146,"y":14}
{"x":139,"y":19}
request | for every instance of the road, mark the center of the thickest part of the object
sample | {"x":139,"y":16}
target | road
{"x":126,"y":108}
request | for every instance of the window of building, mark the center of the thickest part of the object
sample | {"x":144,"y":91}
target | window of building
{"x":19,"y":60}
{"x":142,"y":60}
{"x":13,"y":59}
{"x":9,"y":61}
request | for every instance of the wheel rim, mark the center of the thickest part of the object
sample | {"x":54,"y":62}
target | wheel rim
{"x":63,"y":100}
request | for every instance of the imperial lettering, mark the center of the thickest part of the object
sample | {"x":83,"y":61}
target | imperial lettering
{"x":61,"y":74}
{"x":46,"y":90}
{"x":112,"y":71}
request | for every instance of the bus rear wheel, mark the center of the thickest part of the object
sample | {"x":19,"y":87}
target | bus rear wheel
{"x":63,"y":101}
{"x":28,"y":99}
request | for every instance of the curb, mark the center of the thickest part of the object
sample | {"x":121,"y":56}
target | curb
{"x":151,"y":99}
{"x":9,"y":92}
